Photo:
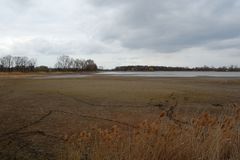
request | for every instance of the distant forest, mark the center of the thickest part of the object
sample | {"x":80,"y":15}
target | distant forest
{"x":67,"y":64}
{"x":64,"y":64}
{"x":164,"y":68}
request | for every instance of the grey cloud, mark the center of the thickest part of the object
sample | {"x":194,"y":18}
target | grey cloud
{"x":167,"y":26}
{"x":225,"y":44}
{"x":17,"y":5}
{"x":56,"y":47}
{"x":122,"y":30}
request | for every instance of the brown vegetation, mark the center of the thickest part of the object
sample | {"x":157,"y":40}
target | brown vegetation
{"x":205,"y":137}
{"x":39,"y":117}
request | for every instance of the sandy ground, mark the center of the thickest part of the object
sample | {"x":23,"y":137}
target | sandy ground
{"x":35,"y":114}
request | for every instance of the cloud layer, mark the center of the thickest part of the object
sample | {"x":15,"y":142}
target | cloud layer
{"x":154,"y":32}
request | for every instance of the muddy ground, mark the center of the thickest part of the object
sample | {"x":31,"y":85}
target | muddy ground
{"x":36,"y":114}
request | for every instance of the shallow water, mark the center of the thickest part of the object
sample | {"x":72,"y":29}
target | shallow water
{"x":173,"y":74}
{"x":62,"y":76}
{"x":145,"y":74}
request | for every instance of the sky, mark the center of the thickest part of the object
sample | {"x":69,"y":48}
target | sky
{"x":123,"y":32}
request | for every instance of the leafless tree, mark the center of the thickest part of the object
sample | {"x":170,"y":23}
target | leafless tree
{"x":63,"y":62}
{"x":66,"y":63}
{"x":7,"y":62}
{"x":22,"y":64}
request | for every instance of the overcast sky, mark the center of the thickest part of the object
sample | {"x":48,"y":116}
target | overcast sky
{"x":121,"y":32}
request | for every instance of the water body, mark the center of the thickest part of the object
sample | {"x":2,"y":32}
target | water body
{"x":173,"y":74}
{"x":144,"y":74}
{"x":62,"y":76}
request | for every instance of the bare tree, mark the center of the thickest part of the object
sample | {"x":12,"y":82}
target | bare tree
{"x":79,"y":64}
{"x":20,"y":63}
{"x":90,"y":65}
{"x":63,"y":62}
{"x":7,"y":62}
{"x":31,"y":63}
{"x":66,"y":63}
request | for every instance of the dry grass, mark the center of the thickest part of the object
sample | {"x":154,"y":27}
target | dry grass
{"x":36,"y":113}
{"x":205,"y":137}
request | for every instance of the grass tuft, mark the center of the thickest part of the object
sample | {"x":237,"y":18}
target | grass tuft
{"x":203,"y":137}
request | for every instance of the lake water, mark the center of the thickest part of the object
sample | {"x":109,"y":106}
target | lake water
{"x":173,"y":74}
{"x":144,"y":74}
{"x":61,"y":76}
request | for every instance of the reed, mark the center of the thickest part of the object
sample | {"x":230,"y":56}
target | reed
{"x":203,"y":137}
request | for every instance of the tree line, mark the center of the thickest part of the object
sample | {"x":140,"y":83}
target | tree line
{"x":19,"y":64}
{"x":165,"y":68}
{"x":64,"y":63}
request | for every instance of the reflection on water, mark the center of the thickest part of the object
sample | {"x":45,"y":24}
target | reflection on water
{"x":173,"y":74}
{"x":144,"y":74}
